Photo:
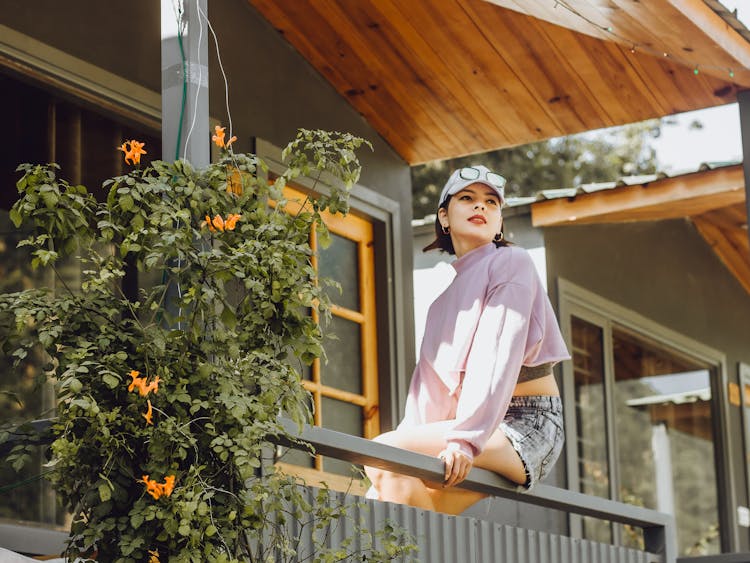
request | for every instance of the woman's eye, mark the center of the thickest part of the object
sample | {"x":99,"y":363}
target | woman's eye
{"x":491,"y":202}
{"x":464,"y":197}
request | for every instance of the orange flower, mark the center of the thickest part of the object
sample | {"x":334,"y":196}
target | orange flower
{"x":148,"y":414}
{"x":219,"y":224}
{"x":234,"y":181}
{"x":134,"y":152}
{"x":157,"y":490}
{"x":231,"y":221}
{"x":140,"y":384}
{"x":219,"y":135}
{"x":168,"y":485}
{"x":154,"y":556}
{"x":152,"y":487}
{"x":153,"y":386}
{"x":136,"y":380}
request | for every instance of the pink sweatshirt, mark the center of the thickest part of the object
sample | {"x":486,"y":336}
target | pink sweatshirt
{"x":494,"y":318}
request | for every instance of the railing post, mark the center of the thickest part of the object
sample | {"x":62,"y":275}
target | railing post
{"x":661,"y":540}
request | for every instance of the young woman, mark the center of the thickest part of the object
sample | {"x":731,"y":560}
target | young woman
{"x":482,"y":392}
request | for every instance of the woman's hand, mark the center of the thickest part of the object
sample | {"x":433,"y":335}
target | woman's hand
{"x":457,"y":466}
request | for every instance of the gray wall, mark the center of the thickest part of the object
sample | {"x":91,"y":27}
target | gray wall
{"x":665,"y":272}
{"x":273,"y":91}
{"x":122,"y":37}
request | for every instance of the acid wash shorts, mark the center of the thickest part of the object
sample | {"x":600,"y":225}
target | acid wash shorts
{"x":534,"y":426}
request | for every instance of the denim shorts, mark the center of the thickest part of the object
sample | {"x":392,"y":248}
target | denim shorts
{"x":534,"y":426}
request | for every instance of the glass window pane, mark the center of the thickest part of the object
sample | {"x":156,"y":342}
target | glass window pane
{"x":344,"y":367}
{"x":665,"y":438}
{"x":340,"y":262}
{"x":295,"y":456}
{"x":588,"y":373}
{"x":342,"y":417}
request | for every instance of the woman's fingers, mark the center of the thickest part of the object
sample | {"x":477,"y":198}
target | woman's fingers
{"x":457,"y":467}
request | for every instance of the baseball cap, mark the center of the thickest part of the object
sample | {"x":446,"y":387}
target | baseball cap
{"x":469,"y":175}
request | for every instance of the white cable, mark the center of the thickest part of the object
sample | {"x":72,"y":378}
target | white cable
{"x":221,"y":67}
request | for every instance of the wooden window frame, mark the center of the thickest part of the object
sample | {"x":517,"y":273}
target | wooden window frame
{"x":358,"y":230}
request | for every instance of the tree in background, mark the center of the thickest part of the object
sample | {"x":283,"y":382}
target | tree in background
{"x":563,"y":162}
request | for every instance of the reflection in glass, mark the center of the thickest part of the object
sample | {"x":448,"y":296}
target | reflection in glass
{"x":588,"y":373}
{"x":344,"y":367}
{"x":342,"y":417}
{"x":665,"y":439}
{"x":340,"y":262}
{"x":26,"y":496}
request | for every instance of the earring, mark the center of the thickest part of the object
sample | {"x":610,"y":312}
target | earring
{"x":446,"y":230}
{"x":498,"y":237}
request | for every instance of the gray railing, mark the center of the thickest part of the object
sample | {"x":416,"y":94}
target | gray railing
{"x":659,"y":531}
{"x":658,"y":528}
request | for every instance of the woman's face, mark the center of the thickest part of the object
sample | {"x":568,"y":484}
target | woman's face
{"x":474,"y":217}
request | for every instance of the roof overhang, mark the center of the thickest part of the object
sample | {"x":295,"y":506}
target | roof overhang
{"x":714,"y":200}
{"x":446,"y":79}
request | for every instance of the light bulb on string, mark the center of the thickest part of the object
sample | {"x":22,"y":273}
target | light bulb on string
{"x":644,"y":48}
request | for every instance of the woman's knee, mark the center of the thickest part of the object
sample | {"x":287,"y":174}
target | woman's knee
{"x":387,"y":438}
{"x":374,"y":474}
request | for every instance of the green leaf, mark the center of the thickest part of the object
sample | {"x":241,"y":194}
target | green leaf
{"x":228,"y":317}
{"x":136,"y":520}
{"x":110,"y":380}
{"x":127,"y":203}
{"x":324,"y":237}
{"x":15,"y":216}
{"x":105,"y":493}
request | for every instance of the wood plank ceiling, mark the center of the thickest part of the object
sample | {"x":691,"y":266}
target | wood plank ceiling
{"x":445,"y":78}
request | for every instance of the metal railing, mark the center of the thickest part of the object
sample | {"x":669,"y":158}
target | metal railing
{"x":658,"y":528}
{"x":659,"y":532}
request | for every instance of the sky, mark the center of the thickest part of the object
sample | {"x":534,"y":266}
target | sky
{"x":681,"y":148}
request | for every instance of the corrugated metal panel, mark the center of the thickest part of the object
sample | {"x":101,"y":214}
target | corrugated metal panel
{"x":450,"y":539}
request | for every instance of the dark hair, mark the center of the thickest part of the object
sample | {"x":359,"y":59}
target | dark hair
{"x":443,"y":240}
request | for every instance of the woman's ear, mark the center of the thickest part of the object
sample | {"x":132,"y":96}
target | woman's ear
{"x":443,"y":216}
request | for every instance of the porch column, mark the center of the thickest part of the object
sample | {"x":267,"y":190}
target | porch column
{"x":743,"y":101}
{"x":184,"y":81}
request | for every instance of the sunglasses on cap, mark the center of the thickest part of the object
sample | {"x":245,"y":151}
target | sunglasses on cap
{"x":471,"y":173}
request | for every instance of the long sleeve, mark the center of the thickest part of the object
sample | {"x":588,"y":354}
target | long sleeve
{"x":494,"y":361}
{"x":493,"y":318}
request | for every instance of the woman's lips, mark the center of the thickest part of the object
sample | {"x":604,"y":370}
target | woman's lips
{"x":477,"y":219}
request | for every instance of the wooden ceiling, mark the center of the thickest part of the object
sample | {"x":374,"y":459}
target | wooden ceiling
{"x":714,"y":200}
{"x":445,"y":78}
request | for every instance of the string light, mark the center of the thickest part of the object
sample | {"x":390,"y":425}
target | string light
{"x":643,"y":48}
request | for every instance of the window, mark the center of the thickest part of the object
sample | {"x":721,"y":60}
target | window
{"x":644,"y":415}
{"x":345,"y":387}
{"x":39,"y":127}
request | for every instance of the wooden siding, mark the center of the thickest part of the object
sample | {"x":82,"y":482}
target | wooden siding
{"x":449,"y":78}
{"x":714,"y":200}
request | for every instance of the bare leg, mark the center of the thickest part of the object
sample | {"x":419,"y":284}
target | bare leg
{"x":429,"y":439}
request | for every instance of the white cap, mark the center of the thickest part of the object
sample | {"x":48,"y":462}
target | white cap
{"x":469,"y":175}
